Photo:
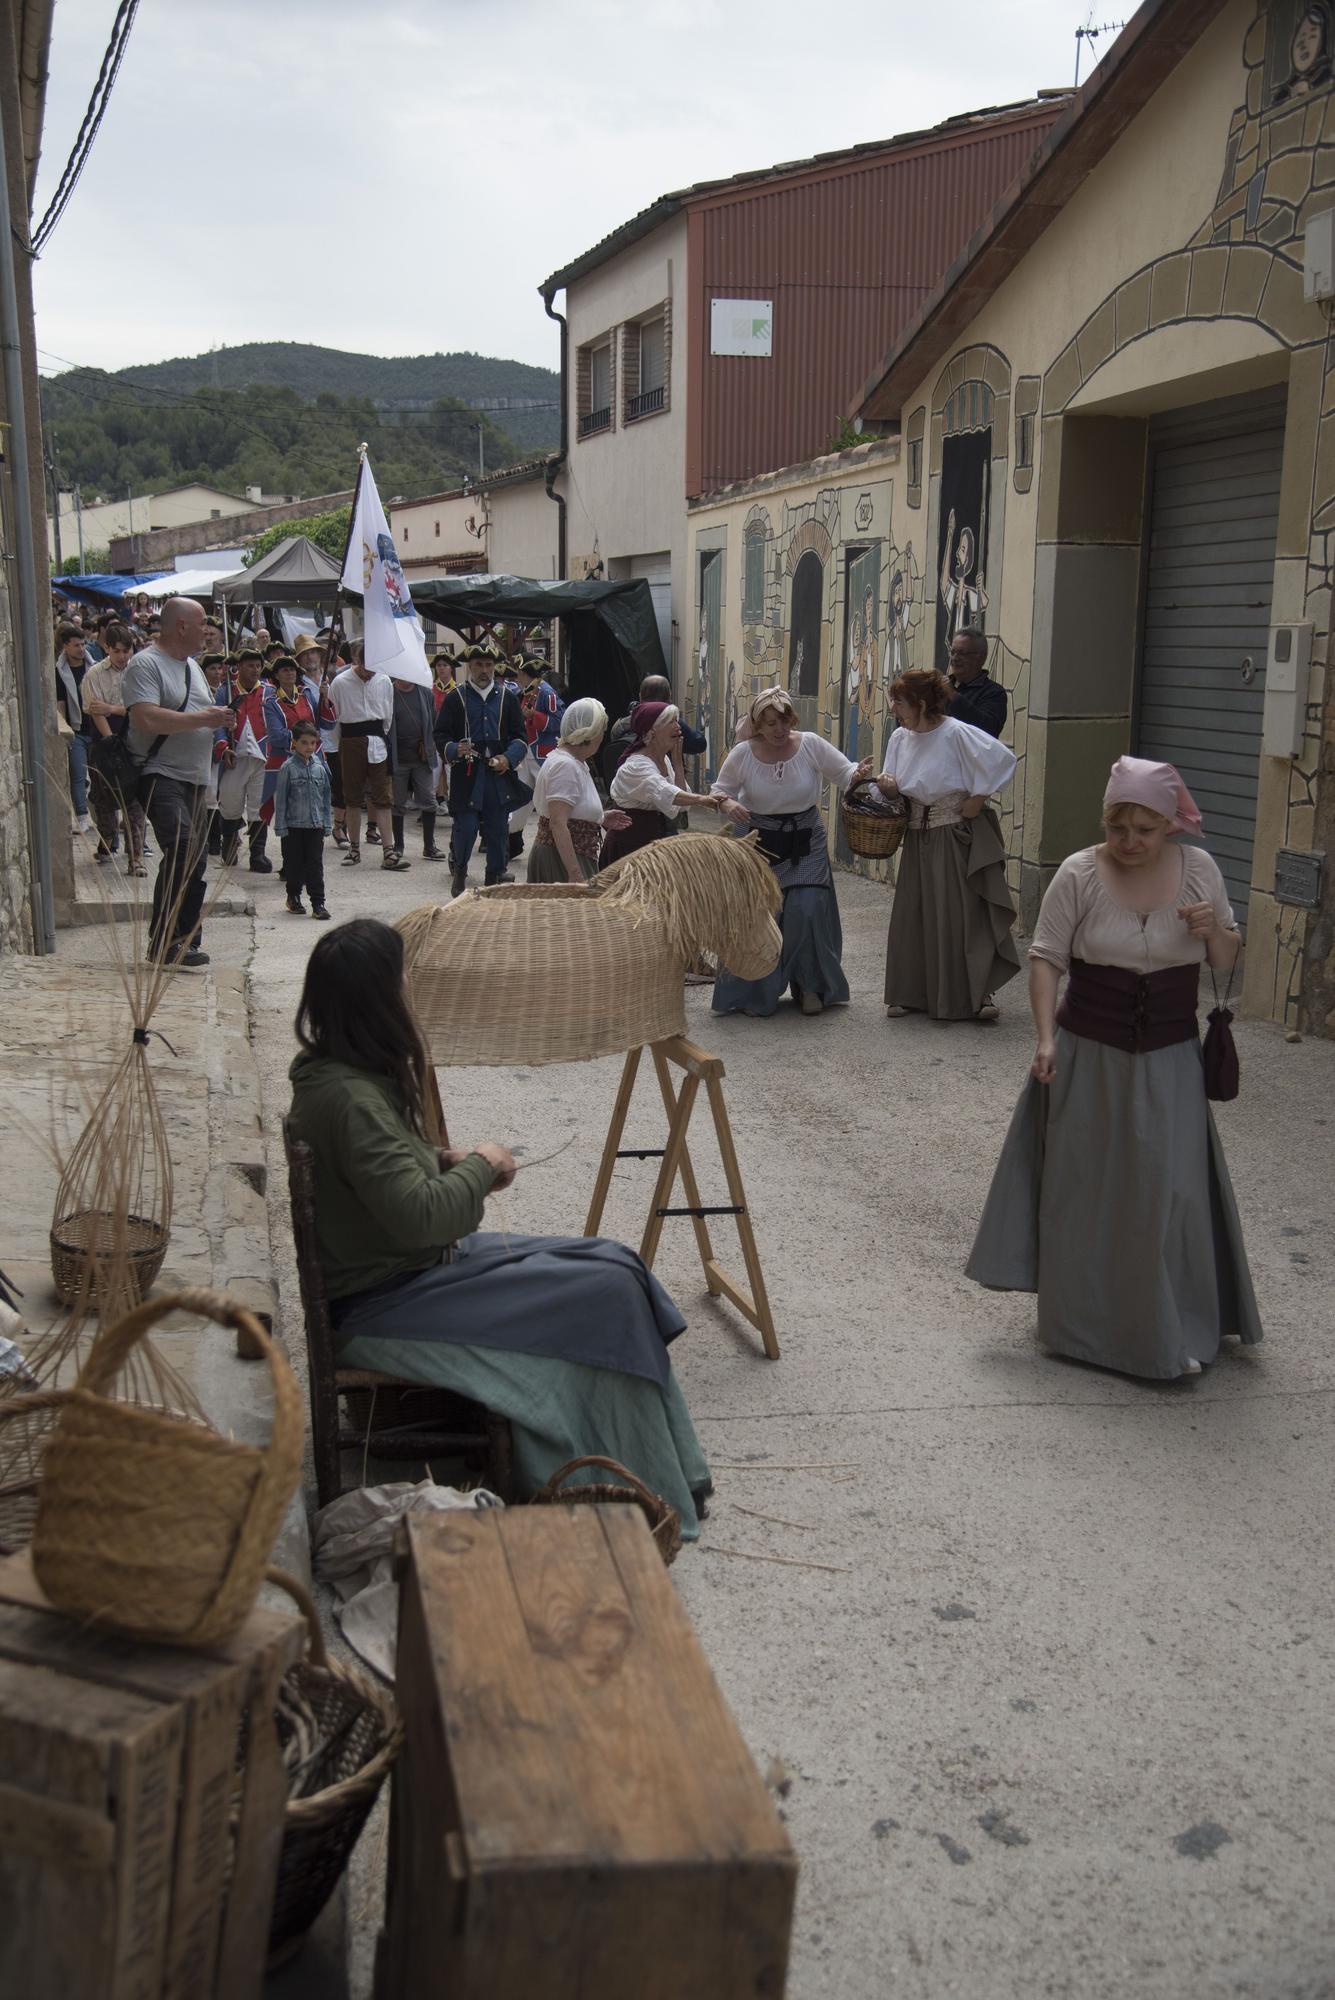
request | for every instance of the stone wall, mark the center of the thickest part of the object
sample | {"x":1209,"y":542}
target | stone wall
{"x":16,"y":932}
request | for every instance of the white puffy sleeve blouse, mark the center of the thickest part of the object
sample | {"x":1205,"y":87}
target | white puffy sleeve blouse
{"x":931,"y":764}
{"x":639,"y":786}
{"x":569,"y":779}
{"x":790,"y":787}
{"x":1080,"y":919}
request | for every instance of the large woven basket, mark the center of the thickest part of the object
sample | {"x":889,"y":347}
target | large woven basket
{"x":664,"y":1520}
{"x":872,"y":831}
{"x":149,"y":1522}
{"x":340,"y":1733}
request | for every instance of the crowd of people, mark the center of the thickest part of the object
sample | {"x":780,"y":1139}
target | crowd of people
{"x":1112,"y":1127}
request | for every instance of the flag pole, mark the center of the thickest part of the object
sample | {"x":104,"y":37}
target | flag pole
{"x":336,"y":622}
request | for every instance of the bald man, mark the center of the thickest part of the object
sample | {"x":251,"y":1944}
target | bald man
{"x":172,"y":719}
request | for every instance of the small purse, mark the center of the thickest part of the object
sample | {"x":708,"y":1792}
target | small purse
{"x":1219,"y":1053}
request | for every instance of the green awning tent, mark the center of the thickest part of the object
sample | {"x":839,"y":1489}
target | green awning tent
{"x":295,"y":572}
{"x":610,"y":628}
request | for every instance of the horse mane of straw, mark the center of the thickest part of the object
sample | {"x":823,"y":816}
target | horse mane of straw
{"x":704,"y":889}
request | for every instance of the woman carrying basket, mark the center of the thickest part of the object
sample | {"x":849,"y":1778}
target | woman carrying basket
{"x":1111,"y":1198}
{"x":950,"y":946}
{"x":772,"y":781}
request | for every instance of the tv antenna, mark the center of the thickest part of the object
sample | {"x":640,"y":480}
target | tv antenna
{"x":1089,"y":33}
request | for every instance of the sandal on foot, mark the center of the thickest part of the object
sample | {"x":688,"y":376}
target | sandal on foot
{"x":395,"y":863}
{"x":352,"y":857}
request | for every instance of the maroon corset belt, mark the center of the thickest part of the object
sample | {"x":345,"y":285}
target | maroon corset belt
{"x":1134,"y":1011}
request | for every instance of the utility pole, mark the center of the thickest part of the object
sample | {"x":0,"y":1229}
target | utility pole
{"x":78,"y":516}
{"x":55,"y":497}
{"x":481,"y":467}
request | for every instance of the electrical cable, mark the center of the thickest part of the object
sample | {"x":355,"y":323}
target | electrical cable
{"x":88,"y":130}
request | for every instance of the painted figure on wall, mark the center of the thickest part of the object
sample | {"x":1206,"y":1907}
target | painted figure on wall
{"x":1309,"y":52}
{"x":729,"y":709}
{"x":860,"y":653}
{"x":966,"y":486}
{"x":804,"y":628}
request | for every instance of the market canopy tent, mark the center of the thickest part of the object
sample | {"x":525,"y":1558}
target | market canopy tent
{"x":296,"y":572}
{"x":104,"y":589}
{"x":187,"y":583}
{"x":610,"y":627}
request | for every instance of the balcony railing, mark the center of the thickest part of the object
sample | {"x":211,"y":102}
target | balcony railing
{"x":645,"y":405}
{"x":595,"y":420}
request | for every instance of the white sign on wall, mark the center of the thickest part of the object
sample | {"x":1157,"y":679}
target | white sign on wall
{"x":741,"y":326}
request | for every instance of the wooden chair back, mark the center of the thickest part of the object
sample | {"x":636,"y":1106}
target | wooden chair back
{"x":315,"y":1306}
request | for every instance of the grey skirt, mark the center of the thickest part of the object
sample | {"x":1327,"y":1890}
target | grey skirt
{"x":545,"y":864}
{"x":1112,"y":1201}
{"x":813,"y":937}
{"x":950,"y":941}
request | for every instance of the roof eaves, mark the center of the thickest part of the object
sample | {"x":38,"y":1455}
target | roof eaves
{"x":1038,"y":194}
{"x":960,"y":125}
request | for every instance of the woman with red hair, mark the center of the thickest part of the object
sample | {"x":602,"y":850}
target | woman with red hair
{"x":950,"y":946}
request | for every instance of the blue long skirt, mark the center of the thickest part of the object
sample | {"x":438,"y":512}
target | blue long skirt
{"x":813,"y":937}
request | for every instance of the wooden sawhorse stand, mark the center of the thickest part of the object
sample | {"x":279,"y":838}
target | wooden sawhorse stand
{"x":698,"y":1067}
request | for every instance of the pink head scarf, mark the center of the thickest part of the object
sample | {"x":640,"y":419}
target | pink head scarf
{"x":1137,"y":781}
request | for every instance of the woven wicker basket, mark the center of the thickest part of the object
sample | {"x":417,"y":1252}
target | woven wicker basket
{"x":149,"y":1522}
{"x":340,"y":1733}
{"x":83,"y":1242}
{"x":664,"y":1520}
{"x":872,"y":831}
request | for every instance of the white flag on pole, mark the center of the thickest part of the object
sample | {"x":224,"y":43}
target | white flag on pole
{"x":393,"y":638}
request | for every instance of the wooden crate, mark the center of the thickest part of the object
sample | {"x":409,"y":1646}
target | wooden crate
{"x":575,"y":1815}
{"x":118,"y":1776}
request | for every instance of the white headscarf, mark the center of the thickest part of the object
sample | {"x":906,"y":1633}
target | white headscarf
{"x":582,"y":721}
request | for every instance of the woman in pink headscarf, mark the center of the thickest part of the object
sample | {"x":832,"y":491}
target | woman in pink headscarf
{"x":1111,"y":1199}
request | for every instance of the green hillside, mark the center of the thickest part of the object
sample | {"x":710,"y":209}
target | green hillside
{"x":506,"y":389}
{"x":107,"y":434}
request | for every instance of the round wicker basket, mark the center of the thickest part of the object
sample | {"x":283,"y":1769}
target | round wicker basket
{"x":664,"y":1521}
{"x":339,"y":1734}
{"x":147,"y":1521}
{"x":872,"y":831}
{"x":80,"y":1242}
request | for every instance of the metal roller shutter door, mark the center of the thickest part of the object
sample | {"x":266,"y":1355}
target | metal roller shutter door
{"x":1214,"y":512}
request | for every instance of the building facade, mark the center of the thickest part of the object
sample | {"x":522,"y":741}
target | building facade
{"x":722,"y":331}
{"x":105,"y":521}
{"x":504,"y":525}
{"x":1117,"y":417}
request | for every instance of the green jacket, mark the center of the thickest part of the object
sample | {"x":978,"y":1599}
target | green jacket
{"x":383,"y":1207}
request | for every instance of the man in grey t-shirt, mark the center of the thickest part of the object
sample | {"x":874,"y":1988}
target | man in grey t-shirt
{"x":166,"y":696}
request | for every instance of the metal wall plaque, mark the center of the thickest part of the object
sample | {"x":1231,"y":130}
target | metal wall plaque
{"x":1298,"y":878}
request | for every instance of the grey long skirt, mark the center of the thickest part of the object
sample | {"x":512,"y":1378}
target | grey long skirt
{"x":813,"y":937}
{"x":545,"y":864}
{"x":1112,"y":1201}
{"x":950,"y":941}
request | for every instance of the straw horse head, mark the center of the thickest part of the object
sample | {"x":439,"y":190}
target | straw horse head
{"x":553,"y":972}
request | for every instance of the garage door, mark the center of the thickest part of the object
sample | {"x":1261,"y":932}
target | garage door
{"x":1214,"y":510}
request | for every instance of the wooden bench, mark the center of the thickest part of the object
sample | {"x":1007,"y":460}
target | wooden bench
{"x":388,"y":1416}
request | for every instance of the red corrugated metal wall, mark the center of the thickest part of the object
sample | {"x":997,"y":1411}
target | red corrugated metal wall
{"x":848,"y":259}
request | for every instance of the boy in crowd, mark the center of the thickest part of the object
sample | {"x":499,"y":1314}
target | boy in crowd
{"x":303,"y":815}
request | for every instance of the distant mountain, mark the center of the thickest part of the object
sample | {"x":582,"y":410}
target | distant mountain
{"x":519,"y":399}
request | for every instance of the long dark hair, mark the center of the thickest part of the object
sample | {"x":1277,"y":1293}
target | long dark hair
{"x":353,"y":1010}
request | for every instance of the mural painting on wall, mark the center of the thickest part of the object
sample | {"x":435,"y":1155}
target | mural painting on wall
{"x":903,"y":617}
{"x":708,"y":715}
{"x":862,"y":653}
{"x":966,"y":487}
{"x":804,"y":628}
{"x":1300,"y":50}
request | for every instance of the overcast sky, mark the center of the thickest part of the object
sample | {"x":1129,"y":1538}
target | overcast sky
{"x":398,"y":177}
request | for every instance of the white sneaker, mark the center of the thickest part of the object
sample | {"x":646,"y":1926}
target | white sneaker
{"x":83,"y":824}
{"x":1193,"y":1368}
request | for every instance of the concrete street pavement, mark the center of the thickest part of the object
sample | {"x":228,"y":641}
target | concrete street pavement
{"x":1056,"y":1718}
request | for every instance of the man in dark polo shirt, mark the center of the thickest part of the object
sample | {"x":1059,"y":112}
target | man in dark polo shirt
{"x":978,"y":698}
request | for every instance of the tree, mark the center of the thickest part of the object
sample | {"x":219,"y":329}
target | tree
{"x":328,"y":532}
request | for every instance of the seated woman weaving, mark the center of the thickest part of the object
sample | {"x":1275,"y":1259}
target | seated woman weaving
{"x":565,"y":1336}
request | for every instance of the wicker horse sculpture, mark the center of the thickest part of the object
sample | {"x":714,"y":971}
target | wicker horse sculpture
{"x":555,"y":972}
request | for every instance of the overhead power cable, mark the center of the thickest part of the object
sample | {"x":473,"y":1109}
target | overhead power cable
{"x":92,"y":119}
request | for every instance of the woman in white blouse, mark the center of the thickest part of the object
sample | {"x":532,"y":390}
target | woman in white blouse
{"x":950,"y":946}
{"x":772,"y":781}
{"x":1111,"y":1199}
{"x":644,"y":786}
{"x":570,"y":813}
